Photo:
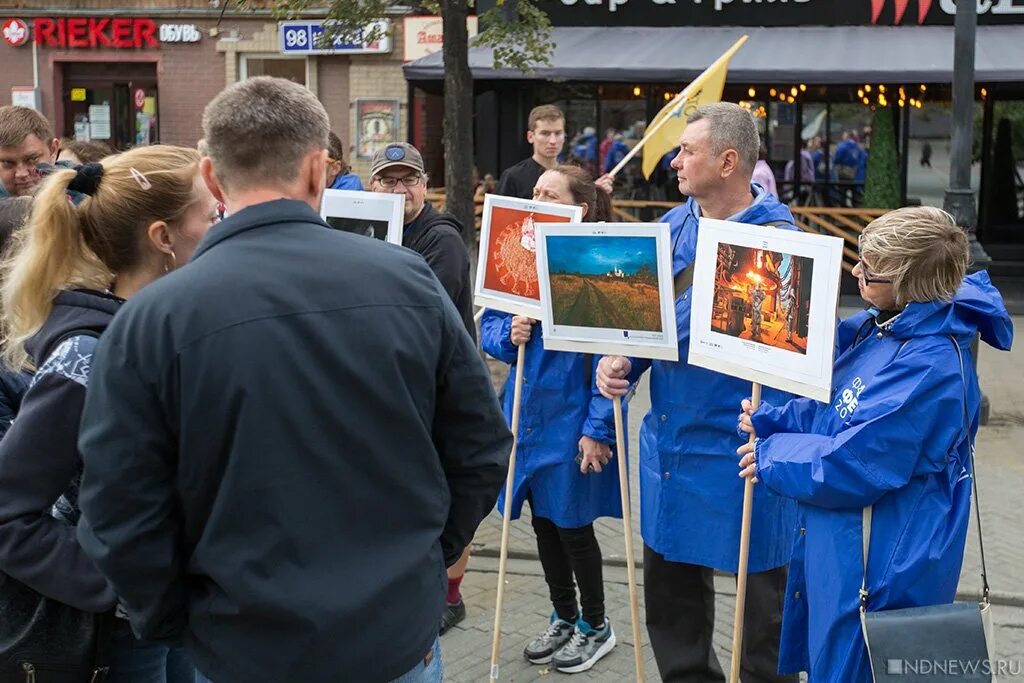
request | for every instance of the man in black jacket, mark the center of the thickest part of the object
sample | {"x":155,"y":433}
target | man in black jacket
{"x":287,"y":440}
{"x":546,"y":134}
{"x":436,"y":236}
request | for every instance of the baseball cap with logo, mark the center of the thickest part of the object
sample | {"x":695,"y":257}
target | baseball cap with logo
{"x":397,"y":154}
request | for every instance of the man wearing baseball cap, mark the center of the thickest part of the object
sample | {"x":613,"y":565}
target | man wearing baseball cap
{"x":438,"y":238}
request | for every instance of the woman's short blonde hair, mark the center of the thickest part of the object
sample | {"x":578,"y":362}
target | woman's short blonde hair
{"x":920,"y":249}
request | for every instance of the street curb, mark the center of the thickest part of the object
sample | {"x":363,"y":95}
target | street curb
{"x":1000,"y":598}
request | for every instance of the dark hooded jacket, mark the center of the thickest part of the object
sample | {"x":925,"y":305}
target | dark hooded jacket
{"x":40,"y":463}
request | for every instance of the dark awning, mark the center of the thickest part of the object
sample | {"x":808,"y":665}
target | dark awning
{"x":803,"y":54}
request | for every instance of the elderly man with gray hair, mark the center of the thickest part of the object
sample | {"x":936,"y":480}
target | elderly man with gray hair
{"x":287,"y":440}
{"x":691,"y":496}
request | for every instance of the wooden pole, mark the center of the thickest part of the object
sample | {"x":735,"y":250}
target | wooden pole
{"x":479,"y":314}
{"x":678,"y":101}
{"x":741,"y":573}
{"x":507,"y":514}
{"x":627,"y":528}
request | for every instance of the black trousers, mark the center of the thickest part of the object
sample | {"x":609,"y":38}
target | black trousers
{"x":680,"y":602}
{"x":565,"y":553}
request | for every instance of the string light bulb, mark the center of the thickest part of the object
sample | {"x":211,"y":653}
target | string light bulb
{"x":636,"y":91}
{"x":772,"y":92}
{"x":752,"y":93}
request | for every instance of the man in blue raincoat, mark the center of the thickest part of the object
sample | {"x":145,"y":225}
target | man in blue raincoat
{"x":896,"y":436}
{"x":691,"y":498}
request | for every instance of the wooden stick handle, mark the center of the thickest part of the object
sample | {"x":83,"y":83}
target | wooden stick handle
{"x":479,"y":314}
{"x":507,"y":514}
{"x":627,"y":529}
{"x":677,"y":102}
{"x":741,"y":573}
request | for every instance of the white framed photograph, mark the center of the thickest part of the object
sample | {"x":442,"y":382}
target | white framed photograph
{"x":506,"y":275}
{"x":606,"y":288}
{"x":764,"y":305}
{"x":374,"y":214}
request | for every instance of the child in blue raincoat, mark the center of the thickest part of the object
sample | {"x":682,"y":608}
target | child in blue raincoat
{"x":564,"y":462}
{"x":896,"y":436}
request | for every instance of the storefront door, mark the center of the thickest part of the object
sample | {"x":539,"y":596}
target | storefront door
{"x":113,"y":103}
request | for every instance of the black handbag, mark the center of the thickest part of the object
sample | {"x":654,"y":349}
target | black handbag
{"x":46,"y":641}
{"x":938,"y":642}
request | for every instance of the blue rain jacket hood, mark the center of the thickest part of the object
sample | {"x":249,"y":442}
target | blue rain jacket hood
{"x":559,"y":404}
{"x":894,"y":436}
{"x":691,"y":499}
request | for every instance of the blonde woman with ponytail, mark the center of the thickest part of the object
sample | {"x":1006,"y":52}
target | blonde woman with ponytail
{"x":67,"y":273}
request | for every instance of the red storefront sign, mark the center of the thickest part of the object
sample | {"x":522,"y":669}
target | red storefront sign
{"x":15,"y":32}
{"x":123,"y":33}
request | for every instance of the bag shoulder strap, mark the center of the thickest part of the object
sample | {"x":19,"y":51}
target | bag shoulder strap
{"x":866,"y":519}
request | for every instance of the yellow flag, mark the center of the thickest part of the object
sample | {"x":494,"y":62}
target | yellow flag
{"x":707,"y":88}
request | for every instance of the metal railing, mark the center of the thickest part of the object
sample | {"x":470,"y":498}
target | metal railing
{"x":846,"y":223}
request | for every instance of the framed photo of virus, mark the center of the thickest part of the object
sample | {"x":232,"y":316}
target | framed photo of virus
{"x":764,"y":305}
{"x":506,"y":275}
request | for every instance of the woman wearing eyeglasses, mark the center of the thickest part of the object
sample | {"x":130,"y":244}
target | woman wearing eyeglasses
{"x":894,"y":437}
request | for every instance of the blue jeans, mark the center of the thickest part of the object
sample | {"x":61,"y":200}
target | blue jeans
{"x":431,"y":673}
{"x":137,"y":661}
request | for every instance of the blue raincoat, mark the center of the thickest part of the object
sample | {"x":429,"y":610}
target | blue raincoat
{"x":560,"y":403}
{"x":893,"y":437}
{"x":691,"y":498}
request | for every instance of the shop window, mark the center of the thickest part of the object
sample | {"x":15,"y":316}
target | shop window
{"x":1002,"y":201}
{"x":929,"y":152}
{"x":295,"y":69}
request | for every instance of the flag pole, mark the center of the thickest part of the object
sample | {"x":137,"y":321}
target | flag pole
{"x":679,"y":101}
{"x":741,"y":572}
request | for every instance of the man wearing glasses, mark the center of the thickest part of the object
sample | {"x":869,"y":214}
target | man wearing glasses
{"x":26,"y":140}
{"x":438,"y":238}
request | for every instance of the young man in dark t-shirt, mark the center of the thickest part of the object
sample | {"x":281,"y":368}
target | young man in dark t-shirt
{"x":547,"y":135}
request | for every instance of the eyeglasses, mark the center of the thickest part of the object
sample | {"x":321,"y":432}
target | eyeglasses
{"x":868,"y":280}
{"x":865,"y":274}
{"x":409,"y":181}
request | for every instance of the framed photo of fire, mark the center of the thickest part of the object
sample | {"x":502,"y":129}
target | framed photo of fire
{"x":764,"y":305}
{"x":506,"y":274}
{"x":606,"y":288}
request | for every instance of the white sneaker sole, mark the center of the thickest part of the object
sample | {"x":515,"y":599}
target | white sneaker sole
{"x":605,"y":648}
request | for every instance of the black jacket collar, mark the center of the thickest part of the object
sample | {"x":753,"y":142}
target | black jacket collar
{"x":258,"y":216}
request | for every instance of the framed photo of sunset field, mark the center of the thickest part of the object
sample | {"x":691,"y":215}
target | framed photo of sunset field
{"x":506,"y":274}
{"x":606,"y":288}
{"x":764,"y":305}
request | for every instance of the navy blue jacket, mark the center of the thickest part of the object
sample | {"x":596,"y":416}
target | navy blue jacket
{"x":40,"y":464}
{"x":285,"y":443}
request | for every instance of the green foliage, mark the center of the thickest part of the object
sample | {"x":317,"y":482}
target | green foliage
{"x":1001,"y":197}
{"x":520,"y":36}
{"x":521,"y":39}
{"x":882,"y":185}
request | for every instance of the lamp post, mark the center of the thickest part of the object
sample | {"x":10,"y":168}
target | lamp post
{"x":960,"y":201}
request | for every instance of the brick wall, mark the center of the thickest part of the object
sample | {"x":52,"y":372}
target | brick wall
{"x":379,"y":77}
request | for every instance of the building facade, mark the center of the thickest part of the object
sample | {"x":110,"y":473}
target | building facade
{"x":140,"y":73}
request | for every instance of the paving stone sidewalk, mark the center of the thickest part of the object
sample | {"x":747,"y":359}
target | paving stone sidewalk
{"x":1001,"y":485}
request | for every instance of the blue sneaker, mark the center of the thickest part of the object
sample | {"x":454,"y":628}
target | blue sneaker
{"x":542,"y":648}
{"x":585,"y":648}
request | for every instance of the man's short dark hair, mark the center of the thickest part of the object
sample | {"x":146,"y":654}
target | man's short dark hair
{"x":258,"y":131}
{"x":17,"y":123}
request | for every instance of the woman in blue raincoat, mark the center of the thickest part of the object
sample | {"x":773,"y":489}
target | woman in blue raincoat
{"x":896,"y":436}
{"x":564,"y":464}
